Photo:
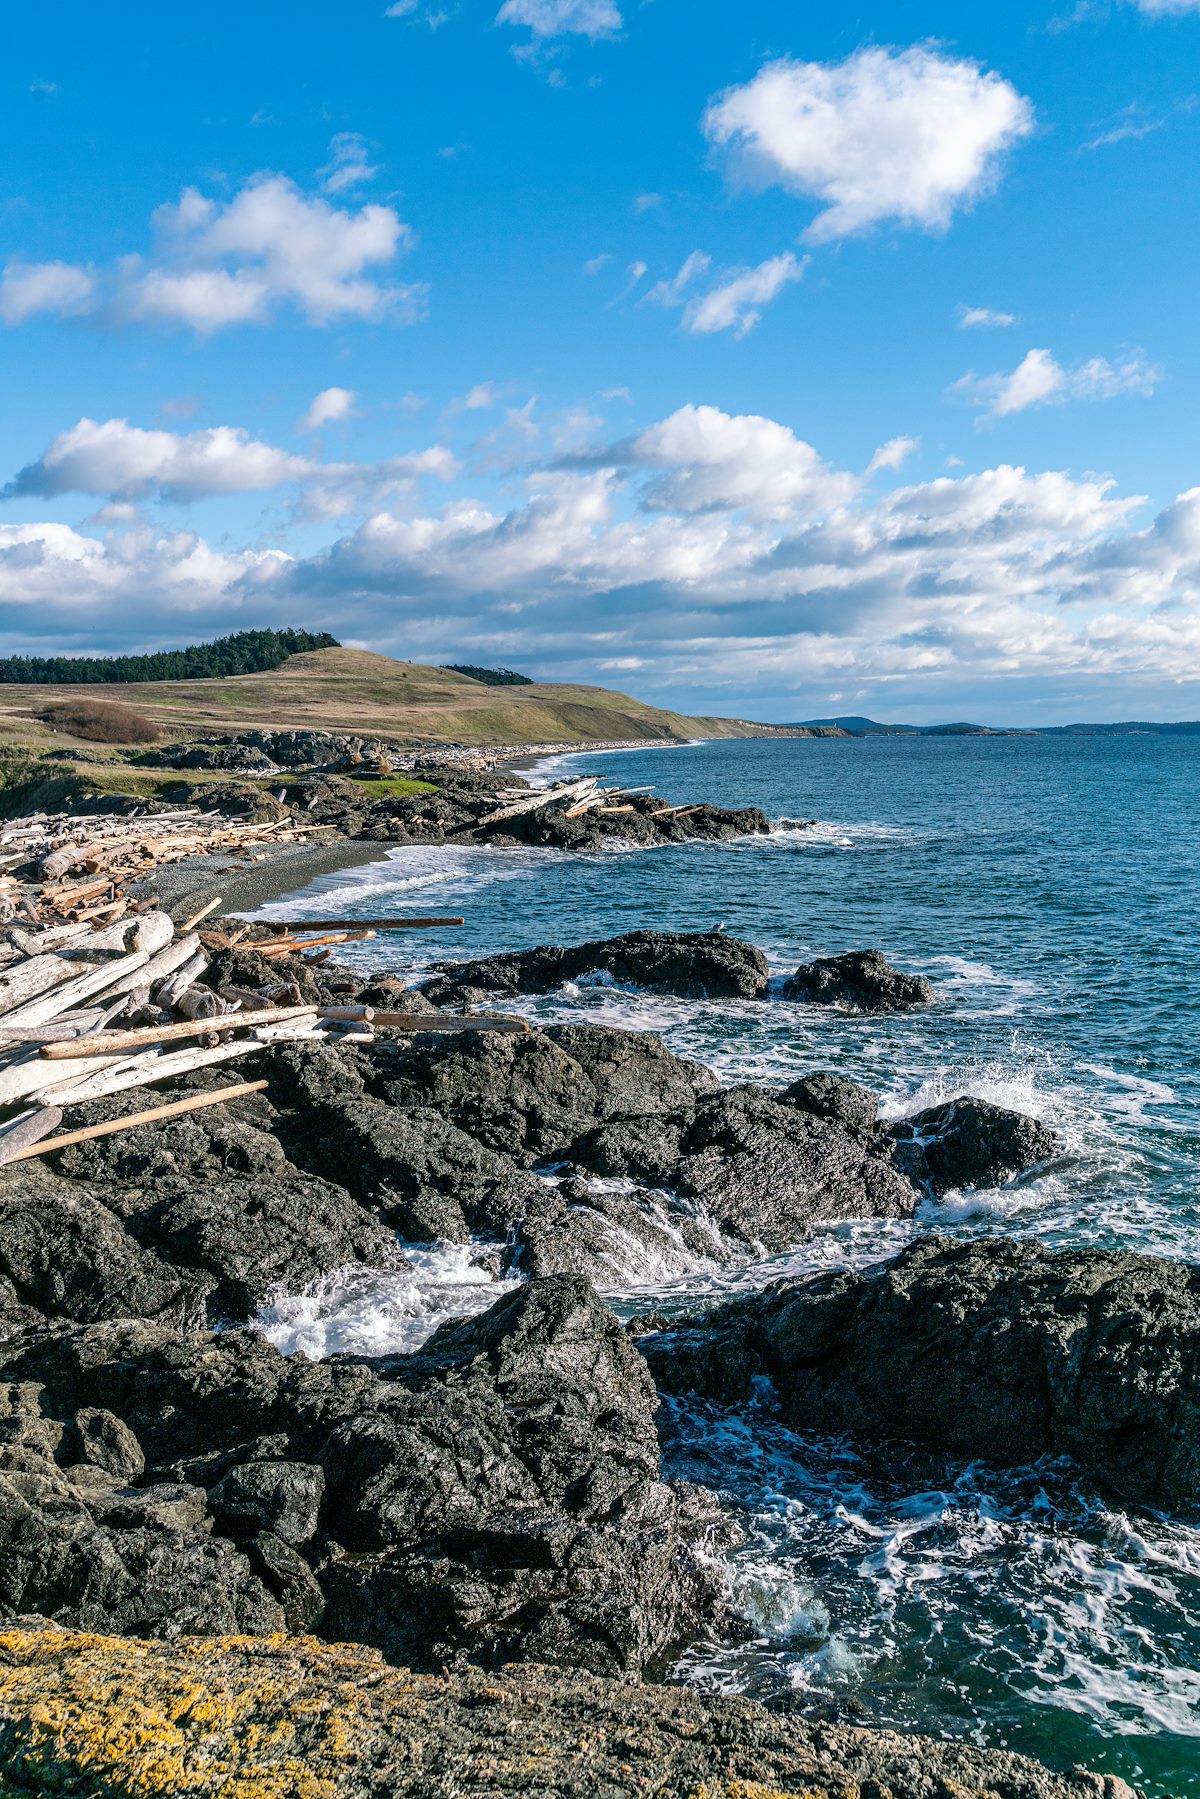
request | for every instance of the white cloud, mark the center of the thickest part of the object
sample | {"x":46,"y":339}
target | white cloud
{"x":347,"y":166}
{"x":706,"y":549}
{"x":115,"y":460}
{"x":713,"y":461}
{"x":236,"y":263}
{"x":118,"y":459}
{"x":1161,"y":9}
{"x":672,"y":291}
{"x":328,"y":407}
{"x":557,"y":18}
{"x":893,"y":454}
{"x":736,"y":302}
{"x":476,"y":399}
{"x":646,"y":203}
{"x":736,"y":297}
{"x":594,"y":264}
{"x":1038,"y":380}
{"x":982,"y":318}
{"x":27,"y":288}
{"x":905,"y":135}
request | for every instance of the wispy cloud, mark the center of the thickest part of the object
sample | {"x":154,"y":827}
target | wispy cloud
{"x":734,"y":300}
{"x":1039,"y":380}
{"x":983,"y":318}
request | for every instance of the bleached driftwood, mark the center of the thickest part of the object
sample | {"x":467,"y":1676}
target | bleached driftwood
{"x":164,"y":963}
{"x":175,"y":986}
{"x":29,"y":1128}
{"x":147,"y":1035}
{"x":193,"y":1103}
{"x":112,"y":977}
{"x":28,"y":979}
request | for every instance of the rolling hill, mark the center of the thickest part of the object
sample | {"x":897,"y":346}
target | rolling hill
{"x":359,"y":691}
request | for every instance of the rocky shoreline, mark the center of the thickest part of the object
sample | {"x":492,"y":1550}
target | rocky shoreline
{"x":494,"y":1499}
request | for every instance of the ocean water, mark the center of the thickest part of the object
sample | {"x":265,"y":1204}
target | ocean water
{"x":1049,"y":887}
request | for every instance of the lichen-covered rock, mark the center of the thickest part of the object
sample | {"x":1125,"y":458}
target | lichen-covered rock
{"x":289,"y":1719}
{"x":997,"y":1349}
{"x":861,"y":980}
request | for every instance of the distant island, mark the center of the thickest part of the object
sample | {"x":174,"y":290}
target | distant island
{"x":853,"y":726}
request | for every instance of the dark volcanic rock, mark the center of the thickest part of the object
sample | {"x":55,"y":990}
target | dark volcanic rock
{"x":997,"y":1349}
{"x":338,"y":1721}
{"x":693,"y":965}
{"x":532,"y":1097}
{"x":861,"y":980}
{"x":494,"y":1495}
{"x":832,"y":1096}
{"x":201,"y":1216}
{"x":971,"y":1143}
{"x":768,"y":1174}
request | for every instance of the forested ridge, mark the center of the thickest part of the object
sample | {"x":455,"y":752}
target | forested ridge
{"x":243,"y":653}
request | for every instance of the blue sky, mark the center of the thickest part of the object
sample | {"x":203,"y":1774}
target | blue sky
{"x":753,"y":360}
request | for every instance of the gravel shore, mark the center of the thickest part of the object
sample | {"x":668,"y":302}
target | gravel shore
{"x":183,"y":887}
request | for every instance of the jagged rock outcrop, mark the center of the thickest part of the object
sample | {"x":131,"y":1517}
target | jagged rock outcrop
{"x":494,"y":1495}
{"x":998,"y":1349}
{"x":862,"y":980}
{"x":693,"y":965}
{"x":285,"y":1719}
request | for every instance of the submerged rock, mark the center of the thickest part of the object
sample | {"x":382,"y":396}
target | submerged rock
{"x":494,"y":1495}
{"x":862,"y":980}
{"x":997,"y":1349}
{"x":693,"y":965}
{"x":303,"y":1717}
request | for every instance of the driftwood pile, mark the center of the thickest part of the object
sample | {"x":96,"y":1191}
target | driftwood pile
{"x":74,"y":867}
{"x":100,"y":993}
{"x":577,"y":798}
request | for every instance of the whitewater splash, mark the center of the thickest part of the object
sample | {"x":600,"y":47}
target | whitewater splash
{"x":935,"y":1604}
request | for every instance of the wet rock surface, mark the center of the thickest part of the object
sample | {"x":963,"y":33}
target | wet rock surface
{"x":999,"y":1349}
{"x":496,"y":1494}
{"x":862,"y":981}
{"x":692,"y":965}
{"x":301,"y":1717}
{"x":971,"y":1143}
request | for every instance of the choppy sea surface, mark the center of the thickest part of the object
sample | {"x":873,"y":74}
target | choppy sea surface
{"x":1049,"y":887}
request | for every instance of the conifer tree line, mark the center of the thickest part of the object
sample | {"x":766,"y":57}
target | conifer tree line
{"x":491,"y":677}
{"x":243,"y":653}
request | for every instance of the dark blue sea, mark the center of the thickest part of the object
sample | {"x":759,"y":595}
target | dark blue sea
{"x":1050,"y":888}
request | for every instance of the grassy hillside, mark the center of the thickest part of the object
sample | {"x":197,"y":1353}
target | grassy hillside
{"x":355,"y":690}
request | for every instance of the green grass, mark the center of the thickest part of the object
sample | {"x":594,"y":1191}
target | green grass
{"x":392,"y":787}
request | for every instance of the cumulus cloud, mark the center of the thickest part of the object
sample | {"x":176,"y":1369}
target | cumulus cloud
{"x":27,"y":288}
{"x":1039,"y":380}
{"x":115,"y":460}
{"x":706,"y":548}
{"x":328,"y":407}
{"x":904,"y":135}
{"x":217,"y":265}
{"x":983,"y":318}
{"x":713,"y":461}
{"x":734,"y":301}
{"x":559,"y":18}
